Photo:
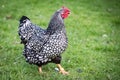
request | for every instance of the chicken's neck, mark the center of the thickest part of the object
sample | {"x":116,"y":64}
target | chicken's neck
{"x":56,"y":24}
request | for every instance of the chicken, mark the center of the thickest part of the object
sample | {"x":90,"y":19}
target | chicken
{"x":42,"y":46}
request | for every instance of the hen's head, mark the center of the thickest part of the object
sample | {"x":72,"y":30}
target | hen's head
{"x":64,"y":12}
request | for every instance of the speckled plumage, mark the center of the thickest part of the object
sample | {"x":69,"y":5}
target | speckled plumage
{"x":43,"y":45}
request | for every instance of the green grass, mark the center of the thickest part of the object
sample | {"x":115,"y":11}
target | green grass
{"x":93,"y":30}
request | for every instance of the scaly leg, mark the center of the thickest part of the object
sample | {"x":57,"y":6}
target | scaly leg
{"x":40,"y":70}
{"x":62,"y":70}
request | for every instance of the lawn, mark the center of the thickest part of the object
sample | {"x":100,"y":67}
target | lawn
{"x":93,"y":31}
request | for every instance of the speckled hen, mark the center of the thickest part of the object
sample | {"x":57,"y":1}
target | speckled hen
{"x":42,"y":46}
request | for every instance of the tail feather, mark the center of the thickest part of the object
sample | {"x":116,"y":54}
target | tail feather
{"x":23,"y":18}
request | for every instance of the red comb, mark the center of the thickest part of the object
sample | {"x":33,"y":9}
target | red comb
{"x":65,"y":8}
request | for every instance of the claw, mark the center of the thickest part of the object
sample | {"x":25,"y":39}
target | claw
{"x":64,"y":72}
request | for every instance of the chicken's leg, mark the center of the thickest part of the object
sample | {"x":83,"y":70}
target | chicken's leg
{"x":61,"y":70}
{"x":40,"y":69}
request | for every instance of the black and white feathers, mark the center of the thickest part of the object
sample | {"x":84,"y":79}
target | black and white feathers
{"x":40,"y":45}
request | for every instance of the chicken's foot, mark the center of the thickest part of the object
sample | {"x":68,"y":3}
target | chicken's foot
{"x":61,"y":70}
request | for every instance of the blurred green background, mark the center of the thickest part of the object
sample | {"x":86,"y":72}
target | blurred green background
{"x":93,"y":31}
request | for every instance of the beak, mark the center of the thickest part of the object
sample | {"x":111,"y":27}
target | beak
{"x":69,"y":12}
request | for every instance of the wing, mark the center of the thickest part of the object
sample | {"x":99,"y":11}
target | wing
{"x":38,"y":39}
{"x":56,"y":44}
